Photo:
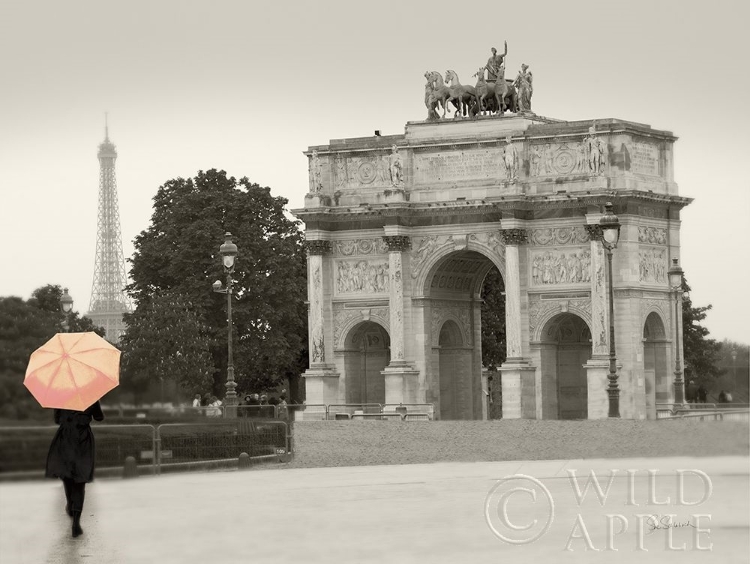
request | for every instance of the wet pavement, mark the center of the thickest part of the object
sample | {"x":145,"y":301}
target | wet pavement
{"x":645,"y":510}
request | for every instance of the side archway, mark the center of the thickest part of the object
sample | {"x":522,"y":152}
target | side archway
{"x":366,"y":353}
{"x":655,"y":363}
{"x":565,"y":348}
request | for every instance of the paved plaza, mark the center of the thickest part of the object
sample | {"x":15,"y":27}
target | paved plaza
{"x":410,"y":513}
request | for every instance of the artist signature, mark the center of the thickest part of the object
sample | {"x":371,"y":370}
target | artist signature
{"x":665,"y":522}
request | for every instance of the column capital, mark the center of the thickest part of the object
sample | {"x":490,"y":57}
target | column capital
{"x":594,"y":232}
{"x":317,"y":247}
{"x":397,"y":243}
{"x":514,"y":236}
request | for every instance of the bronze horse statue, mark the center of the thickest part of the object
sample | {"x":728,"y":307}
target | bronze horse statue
{"x":463,"y":96}
{"x":499,"y":96}
{"x":441,"y":93}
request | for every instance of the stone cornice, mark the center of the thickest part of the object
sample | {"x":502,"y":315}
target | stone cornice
{"x":519,"y":202}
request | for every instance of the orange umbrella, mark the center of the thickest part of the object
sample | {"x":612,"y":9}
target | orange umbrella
{"x":72,"y":371}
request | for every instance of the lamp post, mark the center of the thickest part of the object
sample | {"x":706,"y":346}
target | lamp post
{"x":734,"y":367}
{"x":66,"y":306}
{"x":675,"y":281}
{"x":610,"y":225}
{"x":228,"y":253}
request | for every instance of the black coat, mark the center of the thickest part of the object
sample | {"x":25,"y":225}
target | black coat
{"x":72,"y":453}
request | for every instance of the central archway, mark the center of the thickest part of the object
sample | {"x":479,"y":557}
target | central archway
{"x":453,"y":313}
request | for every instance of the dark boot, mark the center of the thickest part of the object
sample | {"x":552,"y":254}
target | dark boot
{"x":67,"y":488}
{"x":77,"y":530}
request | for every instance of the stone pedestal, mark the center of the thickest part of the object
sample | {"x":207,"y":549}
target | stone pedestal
{"x":596,"y":376}
{"x":321,"y":385}
{"x":401,"y":384}
{"x":519,"y":389}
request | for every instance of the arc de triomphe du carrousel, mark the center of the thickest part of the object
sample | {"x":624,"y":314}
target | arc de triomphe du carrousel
{"x":402,"y":230}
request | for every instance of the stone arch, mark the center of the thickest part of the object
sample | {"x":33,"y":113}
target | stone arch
{"x":548,"y":311}
{"x":423,"y":276}
{"x":346,"y":319}
{"x":565,"y":347}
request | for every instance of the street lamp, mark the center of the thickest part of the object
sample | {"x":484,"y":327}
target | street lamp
{"x":66,"y":306}
{"x":610,"y":235}
{"x":228,"y":252}
{"x":675,"y":281}
{"x":734,"y":367}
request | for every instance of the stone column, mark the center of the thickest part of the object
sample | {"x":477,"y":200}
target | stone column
{"x":597,"y":367}
{"x":401,"y":380}
{"x":519,"y":388}
{"x":321,"y":379}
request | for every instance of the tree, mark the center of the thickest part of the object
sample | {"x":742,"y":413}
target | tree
{"x":24,"y":327}
{"x":166,"y":339}
{"x":178,"y":255}
{"x":701,"y":353}
{"x":493,"y":320}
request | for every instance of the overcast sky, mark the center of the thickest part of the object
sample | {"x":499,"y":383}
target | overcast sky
{"x":247,"y":86}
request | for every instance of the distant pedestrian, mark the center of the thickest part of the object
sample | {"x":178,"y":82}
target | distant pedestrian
{"x":214,"y":407}
{"x":197,"y":400}
{"x":702,"y":393}
{"x":691,"y":393}
{"x":71,"y":457}
{"x":722,"y":397}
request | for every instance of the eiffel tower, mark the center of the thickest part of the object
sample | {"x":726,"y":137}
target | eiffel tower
{"x":108,"y":299}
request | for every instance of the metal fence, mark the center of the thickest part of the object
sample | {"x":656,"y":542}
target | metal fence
{"x":23,"y":449}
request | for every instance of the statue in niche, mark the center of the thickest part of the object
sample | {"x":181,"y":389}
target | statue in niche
{"x":581,"y":165}
{"x":595,"y":149}
{"x":510,"y":159}
{"x":341,"y":176}
{"x":536,"y":160}
{"x":316,"y":173}
{"x":396,"y":168}
{"x":524,"y":84}
{"x":548,"y":156}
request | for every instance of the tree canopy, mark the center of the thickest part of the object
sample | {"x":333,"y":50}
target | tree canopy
{"x":177,"y":258}
{"x":493,"y":320}
{"x":25,"y":325}
{"x":701,"y":353}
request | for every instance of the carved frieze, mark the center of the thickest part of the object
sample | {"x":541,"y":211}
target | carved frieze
{"x":558,"y":159}
{"x":560,"y":267}
{"x":369,"y":171}
{"x":558,"y":236}
{"x":424,"y":247}
{"x":397,"y":243}
{"x":452,"y":282}
{"x":653,"y":265}
{"x":491,"y":239}
{"x":442,"y":310}
{"x":362,"y":276}
{"x":355,"y":247}
{"x":652,"y":235}
{"x":317,"y":247}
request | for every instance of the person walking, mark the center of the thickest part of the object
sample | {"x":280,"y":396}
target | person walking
{"x":72,"y":457}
